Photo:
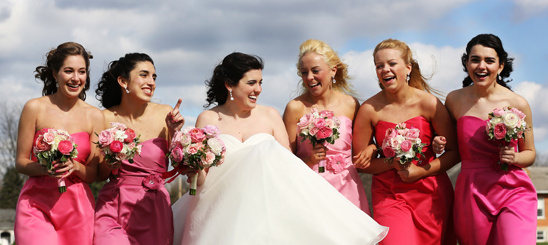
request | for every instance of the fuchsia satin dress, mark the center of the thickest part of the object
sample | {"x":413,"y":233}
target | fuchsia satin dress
{"x":418,"y":212}
{"x":135,"y":208}
{"x":344,"y":178}
{"x":45,"y":216}
{"x":491,"y":206}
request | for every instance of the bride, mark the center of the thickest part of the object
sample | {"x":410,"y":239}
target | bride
{"x":262,"y":194}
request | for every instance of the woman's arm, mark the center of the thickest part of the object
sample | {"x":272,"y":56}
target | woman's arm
{"x":525,"y":154}
{"x":25,"y":136}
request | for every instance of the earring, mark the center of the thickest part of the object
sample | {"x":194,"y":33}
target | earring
{"x":231,"y":98}
{"x":499,"y":77}
{"x":127,"y":91}
{"x":56,"y":84}
{"x":408,"y":77}
{"x":333,"y":79}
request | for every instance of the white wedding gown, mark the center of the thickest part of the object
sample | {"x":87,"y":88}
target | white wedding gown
{"x":263,"y":194}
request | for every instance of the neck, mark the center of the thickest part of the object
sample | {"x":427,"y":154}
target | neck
{"x":232,"y":109}
{"x":131,"y":109}
{"x":63,"y":102}
{"x":485,"y":91}
{"x":401,"y":95}
{"x":323,"y":100}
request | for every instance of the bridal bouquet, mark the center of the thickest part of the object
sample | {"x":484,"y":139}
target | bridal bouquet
{"x":55,"y":145}
{"x":118,"y":143}
{"x":319,"y":127}
{"x":506,"y":124}
{"x":402,"y":142}
{"x":196,"y":148}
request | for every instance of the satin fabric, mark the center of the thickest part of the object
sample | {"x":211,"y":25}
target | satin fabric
{"x":45,"y":216}
{"x":263,"y":194}
{"x":134,"y":207}
{"x":348,"y":181}
{"x":491,"y":206}
{"x":418,"y":212}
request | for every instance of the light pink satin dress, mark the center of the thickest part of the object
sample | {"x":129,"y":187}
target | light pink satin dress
{"x":491,"y":206}
{"x":45,"y":216}
{"x":344,"y":178}
{"x":135,"y":207}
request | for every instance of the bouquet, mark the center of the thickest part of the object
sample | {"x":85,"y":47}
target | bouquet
{"x":55,"y":145}
{"x":118,"y":143}
{"x":197,"y":148}
{"x":402,"y":142}
{"x":506,"y":124}
{"x":319,"y":127}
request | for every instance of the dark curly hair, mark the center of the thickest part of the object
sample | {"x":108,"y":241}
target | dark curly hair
{"x":230,"y":71}
{"x":54,"y":61}
{"x":108,"y":91}
{"x":494,"y":42}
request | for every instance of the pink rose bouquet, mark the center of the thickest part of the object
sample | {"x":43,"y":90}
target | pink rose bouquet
{"x":196,"y":148}
{"x":118,"y":143}
{"x":319,"y":127}
{"x":402,"y":142}
{"x":506,"y":124}
{"x":55,"y":145}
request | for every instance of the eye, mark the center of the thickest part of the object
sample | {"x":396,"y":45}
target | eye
{"x":392,"y":64}
{"x":304,"y":73}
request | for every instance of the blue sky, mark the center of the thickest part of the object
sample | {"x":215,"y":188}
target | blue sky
{"x":188,"y":38}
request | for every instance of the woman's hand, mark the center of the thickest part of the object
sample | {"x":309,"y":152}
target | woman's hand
{"x":438,"y":144}
{"x":174,"y":119}
{"x":507,"y":154}
{"x":363,"y":158}
{"x":319,"y":152}
{"x":63,"y":169}
{"x":409,"y":172}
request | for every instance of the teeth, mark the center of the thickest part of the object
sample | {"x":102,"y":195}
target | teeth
{"x":314,"y":85}
{"x":253,"y":97}
{"x":73,"y":85}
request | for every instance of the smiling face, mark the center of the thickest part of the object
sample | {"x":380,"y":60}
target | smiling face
{"x":142,"y":81}
{"x":72,"y":76}
{"x":248,"y":89}
{"x":391,"y":69}
{"x":316,"y":73}
{"x":483,"y":65}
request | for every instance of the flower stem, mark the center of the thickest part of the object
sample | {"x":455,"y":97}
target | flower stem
{"x":193,"y":184}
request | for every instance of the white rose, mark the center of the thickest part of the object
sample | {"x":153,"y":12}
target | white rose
{"x":511,"y":120}
{"x":215,"y":145}
{"x":120,"y":135}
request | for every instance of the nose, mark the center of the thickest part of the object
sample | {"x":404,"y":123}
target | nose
{"x":258,"y":88}
{"x":482,"y":64}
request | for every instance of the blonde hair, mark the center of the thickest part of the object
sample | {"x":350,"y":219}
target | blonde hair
{"x":342,"y":78}
{"x":416,"y":79}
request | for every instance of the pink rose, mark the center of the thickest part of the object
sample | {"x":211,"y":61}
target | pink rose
{"x":194,"y":148}
{"x":118,"y":126}
{"x":500,"y":131}
{"x":196,"y":135}
{"x":413,"y":133}
{"x":41,"y":145}
{"x":390,"y":133}
{"x":518,"y":112}
{"x":65,"y":147}
{"x":116,"y":146}
{"x":498,"y":112}
{"x":324,"y":132}
{"x":177,"y":154}
{"x":520,"y":134}
{"x":49,"y":136}
{"x":120,"y":156}
{"x":106,"y":137}
{"x":388,"y":151}
{"x":130,"y":135}
{"x":208,"y":159}
{"x":305,"y":121}
{"x":313,"y":131}
{"x":320,"y":123}
{"x":406,"y":145}
{"x":326,"y":113}
{"x":211,"y":130}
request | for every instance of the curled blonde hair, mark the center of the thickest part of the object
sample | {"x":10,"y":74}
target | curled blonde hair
{"x":416,"y":79}
{"x":332,"y":59}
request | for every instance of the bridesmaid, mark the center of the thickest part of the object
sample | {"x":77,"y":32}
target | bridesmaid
{"x":43,"y":215}
{"x":491,"y":206}
{"x":134,"y":206}
{"x":415,"y":200}
{"x":326,"y":87}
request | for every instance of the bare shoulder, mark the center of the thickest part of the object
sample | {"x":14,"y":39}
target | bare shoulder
{"x":372,"y":103}
{"x":518,"y":101}
{"x":206,"y":117}
{"x":160,"y":108}
{"x":34,"y":105}
{"x":294,"y":108}
{"x":268,"y":111}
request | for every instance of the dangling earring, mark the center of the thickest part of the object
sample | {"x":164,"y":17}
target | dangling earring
{"x":408,"y":77}
{"x":127,"y":91}
{"x":231,"y":98}
{"x":333,"y":79}
{"x":499,"y":77}
{"x":56,"y":84}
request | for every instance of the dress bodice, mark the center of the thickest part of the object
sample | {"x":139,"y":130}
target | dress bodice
{"x":343,"y":145}
{"x":81,"y":139}
{"x":419,"y":122}
{"x":151,"y":160}
{"x":232,"y":144}
{"x":474,"y":143}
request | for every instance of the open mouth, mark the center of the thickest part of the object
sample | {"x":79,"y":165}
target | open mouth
{"x":253,"y":98}
{"x":482,"y":75}
{"x":314,"y":85}
{"x":147,"y":91}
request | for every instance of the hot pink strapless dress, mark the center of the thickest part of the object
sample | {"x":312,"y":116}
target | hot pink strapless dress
{"x":135,"y":207}
{"x":45,"y":216}
{"x":418,"y":212}
{"x":346,"y":179}
{"x":491,"y":206}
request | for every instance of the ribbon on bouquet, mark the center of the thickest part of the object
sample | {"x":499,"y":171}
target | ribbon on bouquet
{"x":172,"y":174}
